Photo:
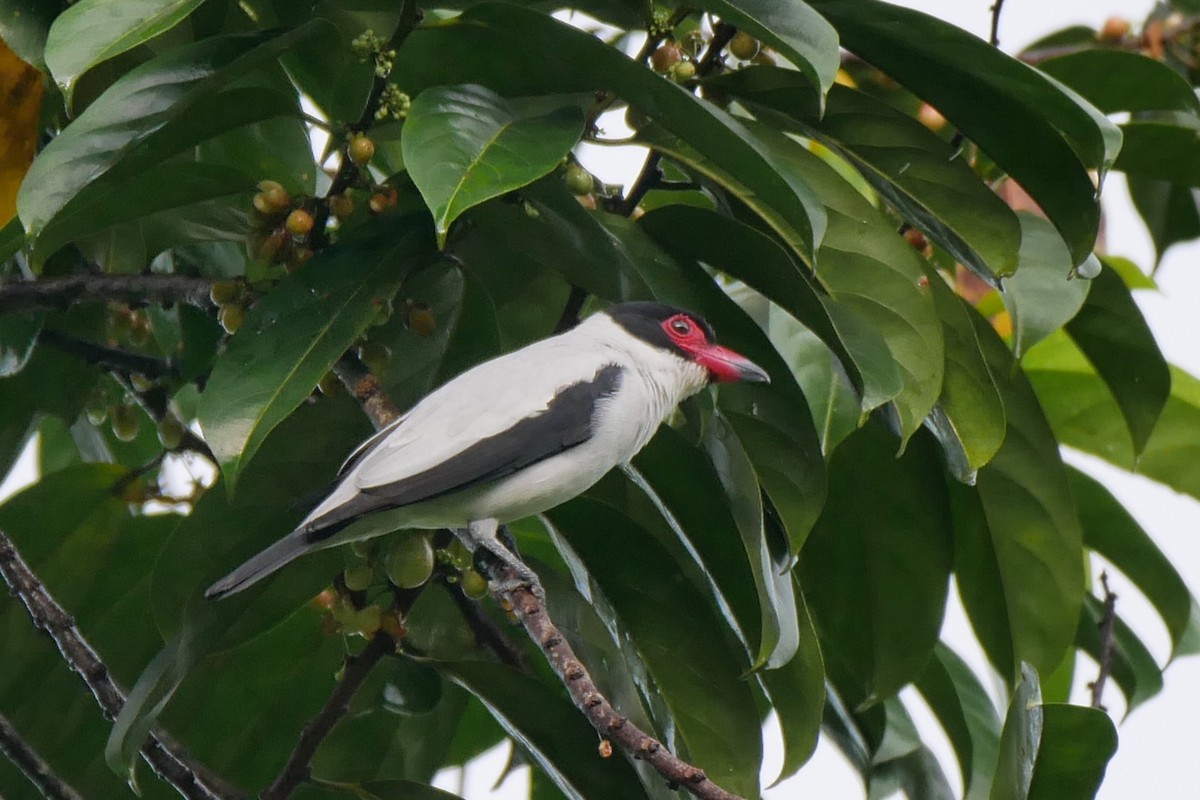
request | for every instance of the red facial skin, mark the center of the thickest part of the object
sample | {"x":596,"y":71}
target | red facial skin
{"x":723,"y":364}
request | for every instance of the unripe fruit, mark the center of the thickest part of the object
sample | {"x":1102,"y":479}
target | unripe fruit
{"x":409,"y":563}
{"x":140,"y":382}
{"x":263,"y":204}
{"x":578,"y":180}
{"x":231,"y":318}
{"x":460,"y":556}
{"x":930,"y":117}
{"x":665,"y":57}
{"x":1115,"y":29}
{"x":299,"y":222}
{"x":358,"y":578}
{"x":125,"y":422}
{"x":274,"y":195}
{"x":341,"y":206}
{"x":269,"y":250}
{"x":764,"y":56}
{"x":743,"y":46}
{"x":361,"y":149}
{"x":223,"y":293}
{"x":97,"y":413}
{"x":329,"y":385}
{"x":343,"y":611}
{"x":374,"y":355}
{"x":473,"y":584}
{"x":368,"y":620}
{"x":421,"y":320}
{"x":683,"y":72}
{"x":170,"y":432}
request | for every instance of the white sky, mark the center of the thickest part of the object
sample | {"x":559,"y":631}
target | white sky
{"x":1159,"y":739}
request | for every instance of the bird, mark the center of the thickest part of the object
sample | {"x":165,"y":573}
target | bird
{"x":515,"y":436}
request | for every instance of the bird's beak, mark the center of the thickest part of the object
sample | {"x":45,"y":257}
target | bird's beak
{"x":725,"y":365}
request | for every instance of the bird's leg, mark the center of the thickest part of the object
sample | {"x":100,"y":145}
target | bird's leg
{"x":481,"y":535}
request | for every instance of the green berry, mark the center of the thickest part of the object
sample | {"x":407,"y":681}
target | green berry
{"x":368,"y":620}
{"x":474,"y":585}
{"x":409,"y":563}
{"x":579,"y":180}
{"x":743,"y":46}
{"x":374,"y":355}
{"x":299,"y":222}
{"x":97,"y":413}
{"x":683,"y":72}
{"x":361,"y":149}
{"x":223,"y":293}
{"x":125,"y":422}
{"x":140,"y":383}
{"x":170,"y":432}
{"x":460,"y":556}
{"x":358,"y":578}
{"x":275,"y":197}
{"x":231,"y":318}
{"x":329,"y":385}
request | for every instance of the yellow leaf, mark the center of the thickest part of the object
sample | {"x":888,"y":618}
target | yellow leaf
{"x":20,"y":106}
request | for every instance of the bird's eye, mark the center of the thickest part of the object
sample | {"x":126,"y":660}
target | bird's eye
{"x":681,"y":326}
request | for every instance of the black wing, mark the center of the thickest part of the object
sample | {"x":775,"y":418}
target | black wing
{"x":565,"y":423}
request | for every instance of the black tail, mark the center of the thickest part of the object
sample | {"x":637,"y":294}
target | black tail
{"x":260,"y":566}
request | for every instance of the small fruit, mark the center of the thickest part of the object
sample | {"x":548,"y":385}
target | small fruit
{"x":666,"y":56}
{"x":743,"y":46}
{"x":765,"y":57}
{"x":361,"y":149}
{"x":299,"y":222}
{"x":263,"y":204}
{"x":930,"y":117}
{"x":170,"y":432}
{"x":341,"y":206}
{"x":223,"y":293}
{"x":683,"y":72}
{"x":358,"y":578}
{"x":473,"y":584}
{"x":125,"y":422}
{"x":368,"y":620}
{"x":231,"y":318}
{"x":409,"y":563}
{"x":421,"y":320}
{"x":579,"y":180}
{"x":271,"y":247}
{"x":140,"y":382}
{"x":374,"y":355}
{"x":275,"y":196}
{"x":1115,"y":29}
{"x":460,"y":556}
{"x":97,"y":413}
{"x":329,"y":385}
{"x":382,"y":200}
{"x":916,"y":240}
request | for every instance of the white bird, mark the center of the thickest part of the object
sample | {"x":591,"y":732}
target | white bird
{"x":516,"y":435}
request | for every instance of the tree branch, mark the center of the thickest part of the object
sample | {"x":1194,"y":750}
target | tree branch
{"x":111,"y":358}
{"x":1108,"y":647}
{"x":166,"y":757}
{"x":994,"y":35}
{"x":361,"y":383}
{"x":61,"y":293}
{"x":354,"y":673}
{"x":26,"y":759}
{"x":587,"y":698}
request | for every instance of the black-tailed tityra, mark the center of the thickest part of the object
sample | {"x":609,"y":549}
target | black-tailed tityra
{"x":516,"y":435}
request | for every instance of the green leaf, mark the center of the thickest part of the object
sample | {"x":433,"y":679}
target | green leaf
{"x":1112,"y":532}
{"x":698,"y":675}
{"x":155,"y":111}
{"x":966,"y":714}
{"x":1051,"y":751}
{"x":969,"y":419}
{"x":552,"y":731}
{"x":1018,"y":547}
{"x":24,"y":399}
{"x":1113,"y":334}
{"x":92,"y":31}
{"x":18,"y":334}
{"x":877,"y":566}
{"x":1165,"y":148}
{"x":1132,"y":667}
{"x":463,"y":145}
{"x":1044,"y":294}
{"x":544,"y":56}
{"x":1045,"y":139}
{"x":801,"y":35}
{"x":1119,"y":80}
{"x":1171,"y":212}
{"x":930,"y":184}
{"x":24,"y":27}
{"x":294,"y":335}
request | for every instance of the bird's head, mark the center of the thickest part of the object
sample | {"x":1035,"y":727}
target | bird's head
{"x":688,"y":336}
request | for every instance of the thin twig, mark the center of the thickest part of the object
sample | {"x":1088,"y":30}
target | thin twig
{"x":994,"y":36}
{"x":26,"y":759}
{"x":1108,"y":647}
{"x":488,"y":633}
{"x":354,"y":673}
{"x":168,"y":760}
{"x":111,"y":358}
{"x":588,"y":699}
{"x":61,"y":293}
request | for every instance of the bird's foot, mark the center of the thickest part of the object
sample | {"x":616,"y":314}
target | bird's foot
{"x":494,"y":546}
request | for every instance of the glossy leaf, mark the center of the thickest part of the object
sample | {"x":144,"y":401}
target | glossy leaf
{"x":545,"y":56}
{"x":1112,"y":532}
{"x":877,"y":566}
{"x":699,"y":677}
{"x":966,"y":714}
{"x":294,"y":335}
{"x":92,"y":31}
{"x":466,"y":144}
{"x":989,"y":95}
{"x":929,"y":183}
{"x":18,"y":334}
{"x":1171,"y":212}
{"x":1018,"y":548}
{"x":799,"y":33}
{"x":1111,"y":331}
{"x":1044,"y":294}
{"x":1118,"y":80}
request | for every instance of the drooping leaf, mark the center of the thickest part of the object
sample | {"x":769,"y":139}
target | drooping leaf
{"x":1018,"y":548}
{"x":1044,"y":294}
{"x":1171,"y":211}
{"x":876,"y":569}
{"x":793,"y":28}
{"x":294,"y":335}
{"x":543,"y":56}
{"x":1113,"y":334}
{"x":991,"y":96}
{"x":466,"y":144}
{"x":92,"y":31}
{"x":1119,"y":80}
{"x":1162,"y":147}
{"x":1110,"y":530}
